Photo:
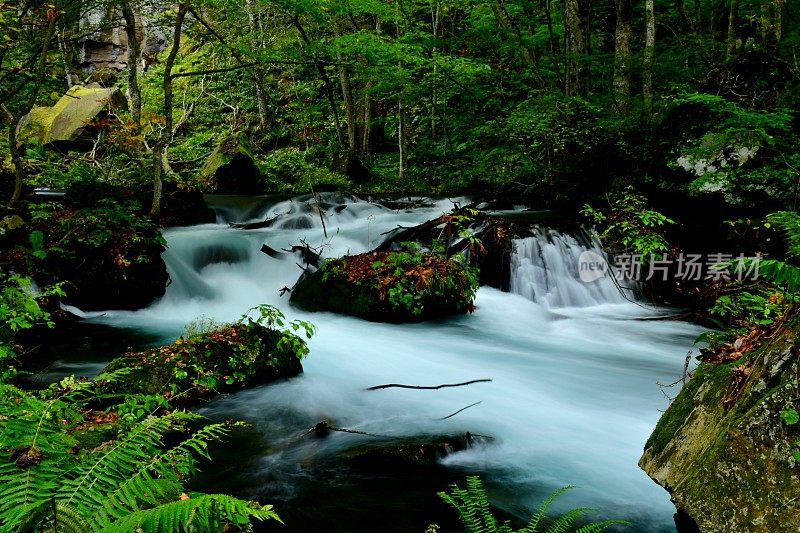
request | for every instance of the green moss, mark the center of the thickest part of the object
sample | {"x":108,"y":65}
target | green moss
{"x":68,"y":117}
{"x":207,"y":364}
{"x":389,"y":287}
{"x":682,"y":406}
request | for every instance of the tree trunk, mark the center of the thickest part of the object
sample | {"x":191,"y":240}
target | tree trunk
{"x":347,"y":95}
{"x":258,"y":72}
{"x":164,"y":140}
{"x":777,"y":26}
{"x":134,"y":56}
{"x":698,"y":17}
{"x":733,"y":23}
{"x":401,"y":139}
{"x":13,"y":145}
{"x":326,"y":82}
{"x":576,"y":38}
{"x":649,"y":57}
{"x":553,"y":43}
{"x":366,"y":145}
{"x":622,"y":55}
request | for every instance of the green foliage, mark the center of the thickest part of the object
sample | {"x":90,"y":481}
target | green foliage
{"x":629,"y":225}
{"x":134,"y":479}
{"x":474,"y":509}
{"x":790,"y":416}
{"x":269,"y":316}
{"x":292,"y":170}
{"x":746,"y":309}
{"x":19,"y":311}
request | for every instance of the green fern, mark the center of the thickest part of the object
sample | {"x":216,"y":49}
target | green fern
{"x":474,"y":509}
{"x":789,"y":223}
{"x":205,"y":512}
{"x":133,"y":479}
{"x":782,"y":273}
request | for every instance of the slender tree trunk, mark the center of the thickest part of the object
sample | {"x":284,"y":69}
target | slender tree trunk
{"x":401,"y":139}
{"x":164,"y":140}
{"x":347,"y":95}
{"x":553,"y":43}
{"x":649,"y":57}
{"x":576,"y":37}
{"x":258,"y":72}
{"x":698,"y":17}
{"x":366,"y":145}
{"x":66,"y":58}
{"x":134,"y":56}
{"x":622,"y":55}
{"x":733,"y":23}
{"x":434,"y":29}
{"x":778,"y":25}
{"x":326,"y":82}
{"x":14,"y":146}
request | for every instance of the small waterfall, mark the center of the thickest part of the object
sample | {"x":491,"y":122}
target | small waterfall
{"x":544,"y":268}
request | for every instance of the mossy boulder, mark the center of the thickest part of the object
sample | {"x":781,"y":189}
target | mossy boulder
{"x":207,"y":364}
{"x":108,"y":255}
{"x":231,"y":168}
{"x":389,"y":287}
{"x":722,"y":449}
{"x":66,"y":120}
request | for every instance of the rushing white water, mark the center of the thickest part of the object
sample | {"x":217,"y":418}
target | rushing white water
{"x":573,"y":395}
{"x":544,"y":268}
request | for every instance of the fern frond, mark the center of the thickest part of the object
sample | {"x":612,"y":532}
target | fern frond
{"x":87,"y":486}
{"x":158,"y":479}
{"x":789,"y":223}
{"x":780,"y":273}
{"x":566,"y":520}
{"x":536,"y":519}
{"x":206,"y":512}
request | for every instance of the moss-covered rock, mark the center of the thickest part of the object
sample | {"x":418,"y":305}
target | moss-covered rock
{"x":207,"y":364}
{"x":66,"y":120}
{"x":389,"y":287}
{"x":108,"y":256}
{"x":231,"y":168}
{"x":732,"y":469}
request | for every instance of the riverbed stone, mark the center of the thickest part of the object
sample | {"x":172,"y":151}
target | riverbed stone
{"x":727,"y":457}
{"x":206,"y":364}
{"x":389,"y":287}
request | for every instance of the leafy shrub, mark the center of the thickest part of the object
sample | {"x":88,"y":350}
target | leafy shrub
{"x":291,"y":170}
{"x":629,"y":225}
{"x":108,"y":253}
{"x":392,"y":286}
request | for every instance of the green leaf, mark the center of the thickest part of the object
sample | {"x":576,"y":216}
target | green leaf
{"x":790,"y":417}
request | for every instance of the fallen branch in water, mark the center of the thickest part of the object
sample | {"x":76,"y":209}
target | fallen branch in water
{"x":462,"y":409}
{"x":420,"y":387}
{"x":322,"y":428}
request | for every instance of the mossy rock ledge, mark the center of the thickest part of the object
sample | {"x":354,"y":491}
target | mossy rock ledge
{"x":732,"y":469}
{"x":205,"y":365}
{"x":109,"y":256}
{"x":389,"y":287}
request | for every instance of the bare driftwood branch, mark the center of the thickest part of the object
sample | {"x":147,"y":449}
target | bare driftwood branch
{"x":462,"y":409}
{"x":420,"y":387}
